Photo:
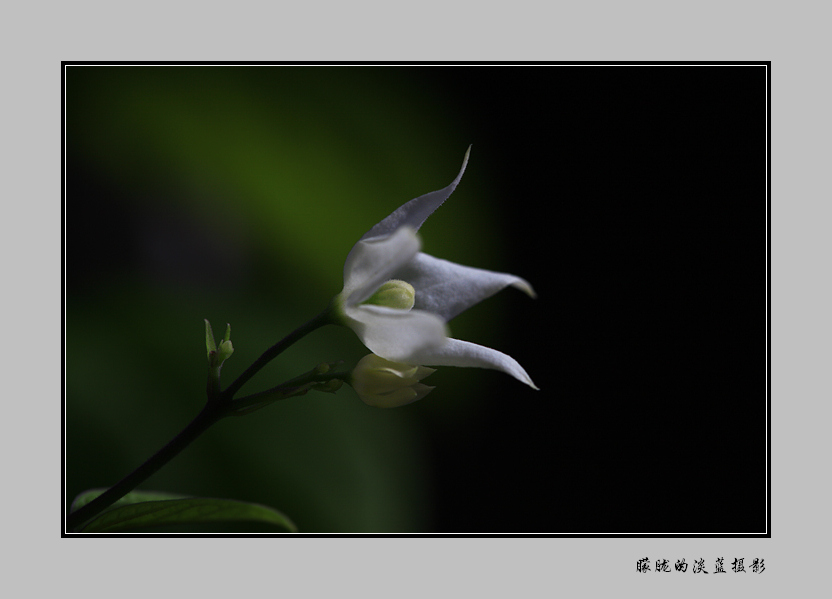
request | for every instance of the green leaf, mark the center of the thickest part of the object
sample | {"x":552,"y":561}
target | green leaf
{"x":132,"y":497}
{"x":141,"y":509}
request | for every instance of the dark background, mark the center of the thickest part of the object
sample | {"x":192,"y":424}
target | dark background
{"x":633,"y":198}
{"x":647,"y":231}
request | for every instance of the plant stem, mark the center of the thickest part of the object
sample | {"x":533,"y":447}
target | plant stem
{"x":208,"y":416}
{"x":292,"y":388}
{"x":218,"y":406}
{"x":275,"y":350}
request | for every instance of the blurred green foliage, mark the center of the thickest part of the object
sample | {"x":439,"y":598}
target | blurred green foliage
{"x":234,"y":194}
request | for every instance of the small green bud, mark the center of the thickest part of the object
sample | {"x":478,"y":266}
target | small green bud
{"x":330,"y":386}
{"x":217,"y":354}
{"x":394,"y":294}
{"x":321,"y":368}
{"x":225,"y":350}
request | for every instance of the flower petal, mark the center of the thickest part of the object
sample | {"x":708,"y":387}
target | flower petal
{"x":396,"y":335}
{"x":371,"y":262}
{"x":447,"y":289}
{"x":462,"y":353}
{"x":415,"y":212}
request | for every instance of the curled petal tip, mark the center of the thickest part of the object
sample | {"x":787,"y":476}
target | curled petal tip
{"x":525,"y":287}
{"x":521,"y":375}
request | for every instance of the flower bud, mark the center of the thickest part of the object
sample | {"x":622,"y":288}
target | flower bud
{"x":394,"y":294}
{"x":330,"y":386}
{"x":322,"y":368}
{"x":217,"y":354}
{"x":385,"y":384}
{"x":224,"y":351}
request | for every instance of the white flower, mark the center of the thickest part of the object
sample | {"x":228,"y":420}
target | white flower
{"x":385,"y":384}
{"x":407,"y":324}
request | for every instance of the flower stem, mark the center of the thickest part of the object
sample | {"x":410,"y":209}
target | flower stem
{"x":292,"y":388}
{"x":208,"y":416}
{"x":217,"y":407}
{"x":275,"y":350}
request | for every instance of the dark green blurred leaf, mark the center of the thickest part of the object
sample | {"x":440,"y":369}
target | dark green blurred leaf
{"x":143,"y":509}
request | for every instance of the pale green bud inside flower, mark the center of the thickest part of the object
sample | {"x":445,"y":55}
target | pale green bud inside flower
{"x":385,"y":384}
{"x":394,"y":294}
